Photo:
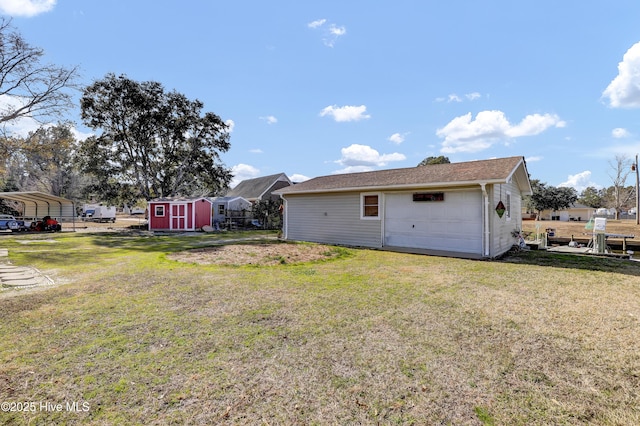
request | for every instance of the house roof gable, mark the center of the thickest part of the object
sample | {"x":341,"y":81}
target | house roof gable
{"x":500,"y":170}
{"x":253,"y":189}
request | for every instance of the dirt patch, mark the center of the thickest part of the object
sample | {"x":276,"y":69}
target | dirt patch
{"x":257,"y":254}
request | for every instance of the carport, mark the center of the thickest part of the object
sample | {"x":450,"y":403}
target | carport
{"x":36,"y":205}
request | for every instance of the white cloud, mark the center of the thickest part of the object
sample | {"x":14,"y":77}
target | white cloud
{"x":330,"y":33}
{"x":397,"y":138}
{"x":579,"y":181}
{"x":624,"y":90}
{"x":455,"y":98}
{"x":535,"y":124}
{"x":22,"y":126}
{"x":337,"y":31}
{"x":353,"y":169}
{"x":345,"y":113}
{"x":241,"y":172}
{"x":80,"y":136}
{"x":269,"y":119}
{"x":620,"y":133}
{"x":317,"y":23}
{"x":472,"y":96}
{"x":230,"y":125}
{"x":297,"y":177}
{"x":464,"y":134}
{"x":534,"y":159}
{"x":26,"y":8}
{"x":362,"y":158}
{"x":256,"y":151}
{"x":333,"y":34}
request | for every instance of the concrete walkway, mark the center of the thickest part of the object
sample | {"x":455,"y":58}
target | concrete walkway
{"x":15,"y":277}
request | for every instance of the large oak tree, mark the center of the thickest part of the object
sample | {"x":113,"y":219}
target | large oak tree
{"x":152,"y":143}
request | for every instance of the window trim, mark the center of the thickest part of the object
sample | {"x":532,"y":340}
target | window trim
{"x":508,"y":206}
{"x":362,"y":205}
{"x":159,"y":210}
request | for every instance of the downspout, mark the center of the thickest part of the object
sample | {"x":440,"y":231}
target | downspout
{"x":485,"y":214}
{"x":285,"y":218}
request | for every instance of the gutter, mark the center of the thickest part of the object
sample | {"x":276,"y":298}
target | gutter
{"x":381,"y":188}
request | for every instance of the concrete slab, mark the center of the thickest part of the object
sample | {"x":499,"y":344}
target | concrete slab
{"x":8,"y":267}
{"x":13,"y":277}
{"x":567,"y":249}
{"x":25,"y":283}
{"x":17,"y":276}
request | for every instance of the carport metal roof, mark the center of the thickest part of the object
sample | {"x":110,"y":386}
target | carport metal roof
{"x":38,"y":204}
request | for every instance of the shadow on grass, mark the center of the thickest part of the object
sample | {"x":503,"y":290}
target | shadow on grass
{"x":574,"y":261}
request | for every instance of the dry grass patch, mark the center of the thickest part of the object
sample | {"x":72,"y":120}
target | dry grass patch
{"x":263,"y":254}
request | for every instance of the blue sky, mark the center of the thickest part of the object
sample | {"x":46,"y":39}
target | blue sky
{"x":316,"y":88}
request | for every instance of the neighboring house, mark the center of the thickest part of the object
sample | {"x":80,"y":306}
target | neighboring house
{"x":448,"y":209}
{"x":229,"y":207}
{"x":260,"y":189}
{"x":578,"y":212}
{"x":179,"y":214}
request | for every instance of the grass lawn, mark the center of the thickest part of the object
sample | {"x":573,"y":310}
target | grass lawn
{"x":368,"y":337}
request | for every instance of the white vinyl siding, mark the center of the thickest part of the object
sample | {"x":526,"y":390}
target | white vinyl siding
{"x":454,"y":224}
{"x":502,"y":227}
{"x":332,"y":219}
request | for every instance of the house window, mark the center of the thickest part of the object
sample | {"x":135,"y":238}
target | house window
{"x":221,"y":209}
{"x":507,"y":206}
{"x":370,"y":206}
{"x":159,"y":211}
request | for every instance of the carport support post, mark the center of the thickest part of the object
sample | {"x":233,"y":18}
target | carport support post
{"x":487,"y":233}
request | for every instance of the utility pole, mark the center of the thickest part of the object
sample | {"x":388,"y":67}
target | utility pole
{"x":635,"y":167}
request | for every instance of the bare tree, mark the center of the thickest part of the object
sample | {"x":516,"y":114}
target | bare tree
{"x":621,"y":170}
{"x":30,"y":88}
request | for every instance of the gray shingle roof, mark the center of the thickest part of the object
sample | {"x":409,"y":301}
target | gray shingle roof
{"x":252,"y":189}
{"x":472,"y":172}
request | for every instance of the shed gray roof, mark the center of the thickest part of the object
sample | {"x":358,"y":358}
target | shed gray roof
{"x":499,"y":170}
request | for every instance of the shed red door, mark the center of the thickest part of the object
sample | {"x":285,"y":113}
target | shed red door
{"x":178,"y":216}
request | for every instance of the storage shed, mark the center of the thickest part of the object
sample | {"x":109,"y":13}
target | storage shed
{"x":179,"y":214}
{"x":467,"y":209}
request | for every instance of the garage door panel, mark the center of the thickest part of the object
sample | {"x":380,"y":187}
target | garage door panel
{"x":454,"y":224}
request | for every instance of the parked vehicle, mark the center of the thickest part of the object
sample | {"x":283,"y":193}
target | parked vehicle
{"x":47,"y":224}
{"x":10,"y":223}
{"x":98,"y":213}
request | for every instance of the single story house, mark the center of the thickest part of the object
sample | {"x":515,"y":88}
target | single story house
{"x":261,"y":188}
{"x":468,"y":209}
{"x":577,"y":212}
{"x":229,"y":207}
{"x":179,"y":214}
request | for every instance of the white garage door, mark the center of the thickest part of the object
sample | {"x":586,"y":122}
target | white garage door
{"x":454,"y":224}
